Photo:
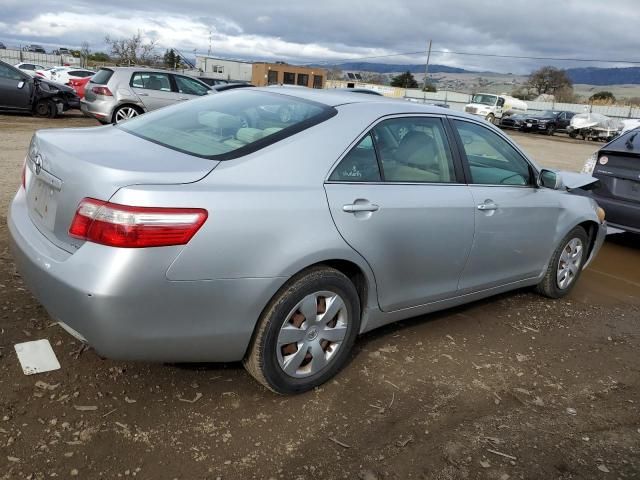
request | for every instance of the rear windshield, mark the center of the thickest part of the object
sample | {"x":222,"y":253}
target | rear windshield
{"x":230,"y":124}
{"x":102,"y":77}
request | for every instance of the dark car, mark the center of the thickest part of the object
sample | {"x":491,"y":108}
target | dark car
{"x":230,"y":86}
{"x":617,"y":166}
{"x":2,"y":46}
{"x":549,"y":121}
{"x":212,"y":82}
{"x":62,"y":51}
{"x":514,"y":121}
{"x":35,"y":48}
{"x":20,"y":92}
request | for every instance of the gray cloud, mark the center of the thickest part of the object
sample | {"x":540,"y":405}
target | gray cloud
{"x":305,"y":31}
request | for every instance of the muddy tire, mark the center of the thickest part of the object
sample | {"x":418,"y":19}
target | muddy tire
{"x":491,"y":118}
{"x":551,"y":129}
{"x":566,"y":264}
{"x":46,"y":109}
{"x":305,"y":334}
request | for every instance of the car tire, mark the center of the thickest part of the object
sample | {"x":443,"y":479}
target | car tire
{"x":551,"y":129}
{"x":124,"y":112}
{"x":565,"y":265}
{"x":46,"y":108}
{"x":309,"y":359}
{"x":491,"y":118}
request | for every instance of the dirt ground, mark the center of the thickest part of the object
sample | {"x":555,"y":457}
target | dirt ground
{"x":516,"y":386}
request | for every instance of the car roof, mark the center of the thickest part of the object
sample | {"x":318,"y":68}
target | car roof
{"x":140,"y":68}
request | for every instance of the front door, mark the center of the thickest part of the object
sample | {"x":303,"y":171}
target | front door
{"x":15,"y":89}
{"x":515,"y":221}
{"x":397,"y":200}
{"x":154,"y":89}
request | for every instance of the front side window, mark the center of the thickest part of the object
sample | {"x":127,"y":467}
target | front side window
{"x":492,"y":161}
{"x":151,"y":81}
{"x":189,"y":86}
{"x":10,"y":73}
{"x":228,"y":126}
{"x":359,"y":165}
{"x":414,"y":149}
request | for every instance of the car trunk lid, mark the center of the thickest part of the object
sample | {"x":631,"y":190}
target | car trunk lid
{"x":619,"y":175}
{"x":68,"y":165}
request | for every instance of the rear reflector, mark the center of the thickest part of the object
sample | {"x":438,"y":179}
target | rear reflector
{"x":135,"y":227}
{"x":102,"y":91}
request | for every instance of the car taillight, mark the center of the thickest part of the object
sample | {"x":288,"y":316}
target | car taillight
{"x":102,"y":91}
{"x":135,"y":227}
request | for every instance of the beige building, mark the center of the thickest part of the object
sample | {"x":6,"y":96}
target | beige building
{"x":282,"y":73}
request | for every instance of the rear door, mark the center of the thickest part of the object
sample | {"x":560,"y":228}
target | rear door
{"x":397,"y":199}
{"x":189,"y":88}
{"x":15,"y":88}
{"x":515,"y":221}
{"x":154,"y":89}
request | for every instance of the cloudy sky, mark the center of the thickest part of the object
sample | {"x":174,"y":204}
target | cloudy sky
{"x":323,"y":30}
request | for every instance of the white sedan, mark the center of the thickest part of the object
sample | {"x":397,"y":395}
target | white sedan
{"x":29,"y":68}
{"x":64,"y":75}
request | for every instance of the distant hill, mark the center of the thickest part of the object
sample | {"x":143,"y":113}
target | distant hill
{"x":394,"y":68}
{"x":605,"y":76}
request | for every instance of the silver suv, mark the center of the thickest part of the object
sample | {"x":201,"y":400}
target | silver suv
{"x":115,"y":94}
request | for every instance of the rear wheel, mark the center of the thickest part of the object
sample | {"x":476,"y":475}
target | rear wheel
{"x":125,"y":112}
{"x":491,"y":118}
{"x":551,"y":129}
{"x":304,"y":336}
{"x":565,"y":266}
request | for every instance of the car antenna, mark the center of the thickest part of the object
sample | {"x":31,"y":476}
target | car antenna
{"x":629,"y":142}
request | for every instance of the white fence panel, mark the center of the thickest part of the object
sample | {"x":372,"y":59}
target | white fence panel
{"x":46,"y":60}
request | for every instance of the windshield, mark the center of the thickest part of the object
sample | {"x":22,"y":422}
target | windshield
{"x":228,"y":125}
{"x":485,"y":99}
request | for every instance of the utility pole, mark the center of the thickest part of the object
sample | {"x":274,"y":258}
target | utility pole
{"x":426,"y":67}
{"x":209,"y":52}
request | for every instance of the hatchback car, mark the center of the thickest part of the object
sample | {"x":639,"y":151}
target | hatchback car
{"x":116,"y":94}
{"x":274,"y":225}
{"x":617,"y":166}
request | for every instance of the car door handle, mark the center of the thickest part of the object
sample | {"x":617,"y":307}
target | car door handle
{"x":143,"y":94}
{"x":357,"y":207}
{"x":487,"y":206}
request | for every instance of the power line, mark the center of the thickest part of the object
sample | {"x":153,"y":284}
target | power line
{"x":472,"y":54}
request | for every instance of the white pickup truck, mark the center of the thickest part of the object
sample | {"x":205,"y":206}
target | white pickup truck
{"x":494,"y":107}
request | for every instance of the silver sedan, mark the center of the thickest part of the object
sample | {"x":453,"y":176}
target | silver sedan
{"x":275,"y":225}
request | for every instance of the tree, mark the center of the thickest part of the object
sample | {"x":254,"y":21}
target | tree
{"x":429,"y":87}
{"x":404,"y":80}
{"x":549,"y":80}
{"x":132,"y":50}
{"x":603,"y":97}
{"x":171,"y":60}
{"x":99,"y":57}
{"x":522,"y":92}
{"x":85,"y":51}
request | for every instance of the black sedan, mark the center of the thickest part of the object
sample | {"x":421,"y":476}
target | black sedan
{"x":514,"y":121}
{"x":617,"y":166}
{"x":548,"y":121}
{"x":20,"y":92}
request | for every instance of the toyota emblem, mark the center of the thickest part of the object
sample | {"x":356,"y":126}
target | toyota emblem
{"x":38,"y":163}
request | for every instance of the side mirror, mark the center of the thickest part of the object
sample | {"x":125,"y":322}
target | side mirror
{"x":549,"y":179}
{"x":21,"y":84}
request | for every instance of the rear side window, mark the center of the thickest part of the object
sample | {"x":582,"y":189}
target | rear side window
{"x":102,"y":77}
{"x":151,"y":81}
{"x":359,"y":165}
{"x":227,"y":126}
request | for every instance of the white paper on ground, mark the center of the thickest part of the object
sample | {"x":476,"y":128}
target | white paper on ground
{"x":36,"y":357}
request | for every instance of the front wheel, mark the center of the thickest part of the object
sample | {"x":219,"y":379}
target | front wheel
{"x":491,"y":118}
{"x":305,"y":334}
{"x":46,"y":109}
{"x":565,"y":266}
{"x":551,"y":129}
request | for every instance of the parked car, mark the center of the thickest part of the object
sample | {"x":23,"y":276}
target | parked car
{"x":548,"y":122}
{"x":34,"y":48}
{"x":79,"y":85}
{"x":62,"y":51}
{"x":617,"y":166}
{"x":183,"y":235}
{"x":29,"y":68}
{"x":230,"y":86}
{"x":48,"y":73}
{"x":2,"y":46}
{"x":23,"y":93}
{"x":213,"y":81}
{"x":65,"y":74}
{"x":367,"y":91}
{"x":116,"y":94}
{"x":514,"y":121}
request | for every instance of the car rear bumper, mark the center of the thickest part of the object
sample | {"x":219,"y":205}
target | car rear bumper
{"x":100,"y":109}
{"x":121,"y":302}
{"x":621,"y":214}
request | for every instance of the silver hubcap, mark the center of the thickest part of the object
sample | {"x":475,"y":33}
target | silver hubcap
{"x":312,"y":334}
{"x":569,"y":264}
{"x":125,"y":113}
